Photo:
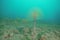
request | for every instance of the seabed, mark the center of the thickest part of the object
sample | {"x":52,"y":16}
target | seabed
{"x":19,"y":30}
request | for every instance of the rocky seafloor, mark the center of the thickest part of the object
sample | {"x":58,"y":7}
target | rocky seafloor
{"x":17,"y":30}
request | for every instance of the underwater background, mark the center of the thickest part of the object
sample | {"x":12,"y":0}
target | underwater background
{"x":29,"y":19}
{"x":20,"y":9}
